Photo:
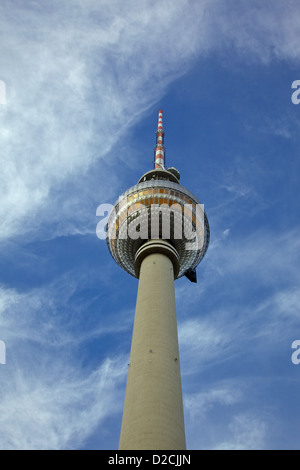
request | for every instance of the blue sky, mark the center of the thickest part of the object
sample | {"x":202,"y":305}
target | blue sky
{"x":84,"y":82}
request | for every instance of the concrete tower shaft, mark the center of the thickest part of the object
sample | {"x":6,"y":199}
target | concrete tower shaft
{"x":153,"y":410}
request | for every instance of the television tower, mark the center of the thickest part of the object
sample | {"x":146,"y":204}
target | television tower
{"x":157,"y":232}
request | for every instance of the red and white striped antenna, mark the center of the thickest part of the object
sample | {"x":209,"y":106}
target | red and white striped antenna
{"x":159,"y":149}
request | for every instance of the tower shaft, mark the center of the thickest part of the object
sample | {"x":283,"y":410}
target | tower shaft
{"x":153,"y":409}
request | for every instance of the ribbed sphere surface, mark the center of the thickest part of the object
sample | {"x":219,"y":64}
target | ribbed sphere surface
{"x":158,"y":209}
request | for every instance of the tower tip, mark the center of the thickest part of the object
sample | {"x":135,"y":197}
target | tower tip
{"x":159,"y":147}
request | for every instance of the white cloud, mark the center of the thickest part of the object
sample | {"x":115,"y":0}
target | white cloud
{"x":288,"y":303}
{"x":221,"y":416}
{"x":271,"y":257}
{"x":204,"y":342}
{"x":248,"y":299}
{"x":259,"y":31}
{"x":78,"y":76}
{"x":200,"y":403}
{"x":49,"y":397}
{"x":50,"y":317}
{"x":246,"y":432}
{"x":57,"y":407}
{"x":75,"y":83}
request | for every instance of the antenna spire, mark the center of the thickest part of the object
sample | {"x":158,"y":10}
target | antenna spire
{"x":159,"y":149}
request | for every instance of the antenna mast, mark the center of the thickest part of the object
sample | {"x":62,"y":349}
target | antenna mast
{"x":159,"y":149}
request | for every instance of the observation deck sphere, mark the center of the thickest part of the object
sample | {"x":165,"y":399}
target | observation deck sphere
{"x":141,"y":205}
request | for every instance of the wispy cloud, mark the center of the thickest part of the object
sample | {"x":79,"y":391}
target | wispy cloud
{"x":201,"y":403}
{"x":246,"y":432}
{"x":83,"y":76}
{"x":77,"y":78}
{"x":57,"y":407}
{"x":241,"y":320}
{"x":258,"y":31}
{"x":222,"y":415}
{"x":49,"y":398}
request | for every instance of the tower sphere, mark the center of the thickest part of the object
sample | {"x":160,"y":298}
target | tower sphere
{"x":158,"y":207}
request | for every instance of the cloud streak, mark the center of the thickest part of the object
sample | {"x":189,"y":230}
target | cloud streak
{"x":58,"y":407}
{"x":83,"y":77}
{"x":49,"y":398}
{"x":77,"y":78}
